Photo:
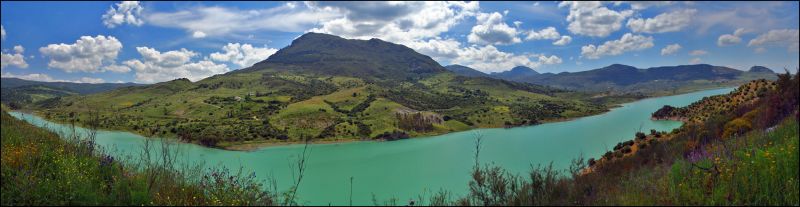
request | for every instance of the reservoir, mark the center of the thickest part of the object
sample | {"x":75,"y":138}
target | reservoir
{"x":410,"y":168}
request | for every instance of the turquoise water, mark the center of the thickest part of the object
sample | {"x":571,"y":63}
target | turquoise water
{"x":408,"y":168}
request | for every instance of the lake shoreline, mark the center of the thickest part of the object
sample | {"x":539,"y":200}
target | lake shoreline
{"x":256,"y":145}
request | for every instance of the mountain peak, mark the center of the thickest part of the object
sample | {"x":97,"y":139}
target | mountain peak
{"x":524,"y":69}
{"x":465,"y":71}
{"x":760,"y":69}
{"x":333,"y":55}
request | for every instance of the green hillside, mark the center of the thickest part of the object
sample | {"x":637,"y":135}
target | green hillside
{"x":41,"y":168}
{"x":746,"y":155}
{"x":326,"y":88}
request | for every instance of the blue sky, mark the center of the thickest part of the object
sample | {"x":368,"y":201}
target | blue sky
{"x":150,"y":42}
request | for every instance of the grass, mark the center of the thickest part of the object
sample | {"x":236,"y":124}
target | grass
{"x":40,"y":168}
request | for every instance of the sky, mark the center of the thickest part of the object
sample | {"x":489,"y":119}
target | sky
{"x":148,"y":42}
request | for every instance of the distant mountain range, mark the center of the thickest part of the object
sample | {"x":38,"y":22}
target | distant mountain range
{"x":22,"y":91}
{"x":81,"y":88}
{"x":624,"y":78}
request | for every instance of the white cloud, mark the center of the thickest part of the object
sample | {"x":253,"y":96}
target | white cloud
{"x":3,"y":32}
{"x":126,"y":12}
{"x":219,"y":21}
{"x":156,"y":66}
{"x":666,"y":22}
{"x":46,"y":78}
{"x":198,"y":34}
{"x":244,"y":55}
{"x":755,"y":16}
{"x":549,"y":33}
{"x":593,"y":19}
{"x":789,"y":38}
{"x":489,"y":59}
{"x":695,"y":61}
{"x":741,"y":31}
{"x":670,"y":49}
{"x":517,"y":24}
{"x":728,"y":39}
{"x":117,"y":68}
{"x":17,"y":60}
{"x":88,"y":54}
{"x":760,"y":50}
{"x":641,"y":5}
{"x":549,"y":60}
{"x":698,"y":52}
{"x":491,"y":29}
{"x":563,"y":41}
{"x":91,"y":80}
{"x":628,"y":42}
{"x":417,"y":25}
{"x":19,"y":49}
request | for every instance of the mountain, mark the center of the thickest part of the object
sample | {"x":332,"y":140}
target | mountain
{"x":325,"y":87}
{"x":760,"y":69}
{"x":373,"y":59}
{"x":16,"y":92}
{"x":519,"y":73}
{"x":465,"y":71}
{"x":81,"y":88}
{"x":628,"y":79}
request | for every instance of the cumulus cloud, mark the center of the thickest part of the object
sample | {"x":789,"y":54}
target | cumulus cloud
{"x":117,"y":68}
{"x":592,"y":18}
{"x":3,"y":32}
{"x":788,"y":38}
{"x":728,"y":39}
{"x":88,"y":54}
{"x":418,"y":27}
{"x":695,"y":61}
{"x":46,"y":78}
{"x":17,"y":59}
{"x":156,"y":66}
{"x":549,"y":33}
{"x":698,"y":52}
{"x":218,"y":21}
{"x":244,"y":55}
{"x":670,"y":49}
{"x":19,"y":49}
{"x":199,"y":34}
{"x":731,"y":39}
{"x":628,"y":42}
{"x":549,"y":60}
{"x":491,"y":29}
{"x":641,"y":5}
{"x":563,"y":41}
{"x":666,"y":22}
{"x":489,"y":59}
{"x":125,"y":12}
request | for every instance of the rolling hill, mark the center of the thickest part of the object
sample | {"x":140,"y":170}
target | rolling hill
{"x":81,"y":88}
{"x":465,"y":71}
{"x":519,"y":73}
{"x":325,"y":88}
{"x":16,"y":92}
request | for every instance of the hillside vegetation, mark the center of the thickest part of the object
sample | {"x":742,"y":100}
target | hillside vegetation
{"x":710,"y":162}
{"x":327,"y":88}
{"x":40,"y":168}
